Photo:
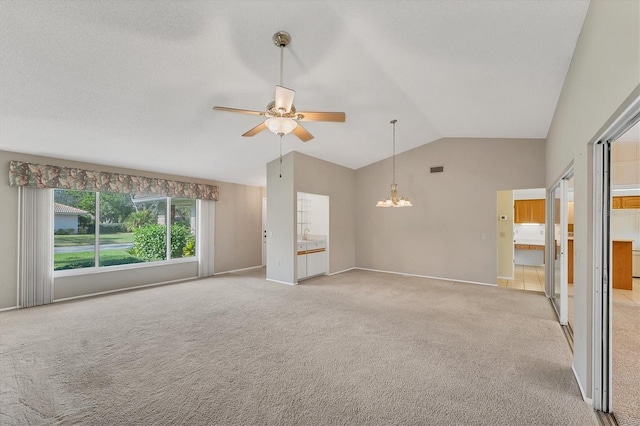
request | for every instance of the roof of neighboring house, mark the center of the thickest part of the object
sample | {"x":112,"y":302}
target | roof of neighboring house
{"x":63,"y":209}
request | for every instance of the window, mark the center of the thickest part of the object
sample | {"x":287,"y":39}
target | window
{"x":125,"y":229}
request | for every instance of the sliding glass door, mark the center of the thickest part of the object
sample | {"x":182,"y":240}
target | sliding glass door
{"x":558,"y":278}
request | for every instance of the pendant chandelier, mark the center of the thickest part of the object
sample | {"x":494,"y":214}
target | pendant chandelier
{"x":394,"y":200}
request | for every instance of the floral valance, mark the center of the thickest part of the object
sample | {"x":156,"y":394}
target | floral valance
{"x":44,"y":176}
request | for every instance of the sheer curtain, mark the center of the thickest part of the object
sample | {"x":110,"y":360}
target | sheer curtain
{"x":36,"y":247}
{"x":206,"y":223}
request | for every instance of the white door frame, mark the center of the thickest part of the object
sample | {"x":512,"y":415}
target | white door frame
{"x":561,"y":186}
{"x":602,"y":286}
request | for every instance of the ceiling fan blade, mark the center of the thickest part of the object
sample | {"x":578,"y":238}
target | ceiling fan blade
{"x":241,"y":111}
{"x":284,"y":98}
{"x":260,"y":127}
{"x":302,"y":133}
{"x":338,"y":117}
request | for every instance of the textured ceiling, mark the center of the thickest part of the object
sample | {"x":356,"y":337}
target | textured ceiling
{"x":132,"y":83}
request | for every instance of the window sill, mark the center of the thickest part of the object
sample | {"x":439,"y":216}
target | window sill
{"x":114,"y":268}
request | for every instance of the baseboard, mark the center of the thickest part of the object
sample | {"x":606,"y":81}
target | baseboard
{"x":118,"y":290}
{"x":427,"y":276}
{"x":343,"y":271}
{"x":584,"y":396}
{"x":238,"y":270}
{"x":281,"y":282}
{"x":9,"y":309}
{"x":505,"y":278}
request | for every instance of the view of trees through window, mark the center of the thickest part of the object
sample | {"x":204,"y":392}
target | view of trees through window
{"x":130,"y":229}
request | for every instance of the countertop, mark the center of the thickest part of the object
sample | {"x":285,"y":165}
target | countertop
{"x":529,"y":242}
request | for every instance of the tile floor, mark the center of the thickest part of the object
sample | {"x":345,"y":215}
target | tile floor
{"x":525,"y":278}
{"x":532,"y":278}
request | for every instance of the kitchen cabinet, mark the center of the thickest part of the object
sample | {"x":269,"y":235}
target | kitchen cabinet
{"x":621,"y":268}
{"x":627,"y":202}
{"x":616,"y":203}
{"x":312,"y":258}
{"x":531,"y":247}
{"x":529,"y":211}
{"x":302,"y":261}
{"x":316,"y":263}
{"x":621,"y":258}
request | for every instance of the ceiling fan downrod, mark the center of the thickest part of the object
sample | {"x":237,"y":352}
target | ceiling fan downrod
{"x":281,"y":39}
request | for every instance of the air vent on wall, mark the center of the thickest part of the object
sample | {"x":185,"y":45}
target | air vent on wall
{"x":438,"y":169}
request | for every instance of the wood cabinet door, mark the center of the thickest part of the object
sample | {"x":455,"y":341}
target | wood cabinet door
{"x":521,"y":211}
{"x":631,"y":202}
{"x":537,"y":211}
{"x":616,"y":203}
{"x":529,"y":211}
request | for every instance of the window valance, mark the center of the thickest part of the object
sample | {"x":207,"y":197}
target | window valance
{"x":44,"y":176}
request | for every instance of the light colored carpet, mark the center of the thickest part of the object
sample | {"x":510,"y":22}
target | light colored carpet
{"x":626,"y":364}
{"x":359,"y":348}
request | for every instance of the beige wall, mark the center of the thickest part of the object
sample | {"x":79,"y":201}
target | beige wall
{"x":451,"y":230}
{"x":281,"y":221}
{"x":237,"y":238}
{"x":8,"y":236}
{"x":321,"y":177}
{"x":607,"y":61}
{"x":604,"y":71}
{"x":302,"y":173}
{"x":238,"y":227}
{"x":505,"y":234}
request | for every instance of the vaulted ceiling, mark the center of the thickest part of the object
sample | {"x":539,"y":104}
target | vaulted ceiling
{"x":132,"y":83}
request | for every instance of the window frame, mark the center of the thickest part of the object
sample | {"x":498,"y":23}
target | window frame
{"x":96,"y":268}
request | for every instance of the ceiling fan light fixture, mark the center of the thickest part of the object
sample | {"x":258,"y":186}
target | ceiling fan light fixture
{"x":281,"y":125}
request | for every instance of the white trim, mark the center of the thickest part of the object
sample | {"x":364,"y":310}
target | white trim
{"x":505,"y":278}
{"x":9,"y":309}
{"x":340,"y":272}
{"x":587,"y":400}
{"x":125,"y":289}
{"x":238,"y":270}
{"x":428,"y":276}
{"x":281,"y":282}
{"x":19,"y":240}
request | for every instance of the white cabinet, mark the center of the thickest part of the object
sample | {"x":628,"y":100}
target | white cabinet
{"x":312,"y":259}
{"x":302,"y":260}
{"x":302,"y":266}
{"x":316,"y":263}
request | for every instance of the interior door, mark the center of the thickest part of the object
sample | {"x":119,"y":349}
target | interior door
{"x":264,"y":231}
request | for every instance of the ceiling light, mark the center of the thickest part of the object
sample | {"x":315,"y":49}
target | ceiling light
{"x":394,"y":200}
{"x":281,"y":125}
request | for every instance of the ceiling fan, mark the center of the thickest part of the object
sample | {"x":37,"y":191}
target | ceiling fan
{"x":282,"y":116}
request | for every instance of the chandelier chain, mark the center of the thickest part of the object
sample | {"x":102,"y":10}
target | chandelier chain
{"x":394,"y":151}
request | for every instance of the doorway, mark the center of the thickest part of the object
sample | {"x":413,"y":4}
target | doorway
{"x":521,"y":239}
{"x":312,"y":226}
